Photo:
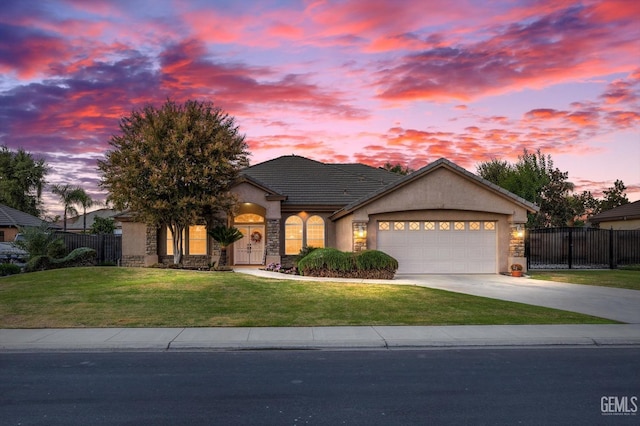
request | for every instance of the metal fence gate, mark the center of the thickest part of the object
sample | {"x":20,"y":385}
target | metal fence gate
{"x":581,"y":248}
{"x":108,"y":247}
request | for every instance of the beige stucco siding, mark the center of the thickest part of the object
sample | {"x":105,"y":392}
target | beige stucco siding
{"x":344,"y":233}
{"x":248,"y":193}
{"x":621,"y":224}
{"x":443,"y":189}
{"x":136,"y":238}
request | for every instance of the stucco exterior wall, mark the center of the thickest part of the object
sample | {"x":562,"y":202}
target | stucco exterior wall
{"x":9,"y":233}
{"x":621,"y":224}
{"x":443,"y":189}
{"x":344,"y":233}
{"x":248,"y":193}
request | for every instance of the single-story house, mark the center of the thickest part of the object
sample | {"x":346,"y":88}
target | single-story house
{"x":11,"y":220}
{"x":622,"y":217}
{"x":76,"y":224}
{"x":439,"y":219}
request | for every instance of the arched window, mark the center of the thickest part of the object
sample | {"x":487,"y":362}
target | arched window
{"x":293,"y":235}
{"x":315,"y":232}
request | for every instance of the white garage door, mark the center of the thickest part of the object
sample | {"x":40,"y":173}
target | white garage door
{"x":440,"y":247}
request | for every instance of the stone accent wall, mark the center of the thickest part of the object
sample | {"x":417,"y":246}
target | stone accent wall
{"x":188,"y":261}
{"x":136,"y":261}
{"x":359,"y":232}
{"x":152,"y":240}
{"x":273,"y":237}
{"x":516,"y":242}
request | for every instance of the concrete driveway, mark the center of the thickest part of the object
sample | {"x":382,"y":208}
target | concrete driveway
{"x":604,"y":302}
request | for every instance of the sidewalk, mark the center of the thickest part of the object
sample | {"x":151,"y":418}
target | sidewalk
{"x":374,"y":337}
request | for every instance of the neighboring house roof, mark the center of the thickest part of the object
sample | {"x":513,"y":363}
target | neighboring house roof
{"x":307,"y":182}
{"x":442,"y":162}
{"x":76,"y":223}
{"x":10,"y":217}
{"x":628,"y":211}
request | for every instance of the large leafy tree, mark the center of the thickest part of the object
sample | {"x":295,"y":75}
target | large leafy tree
{"x":174,"y":165}
{"x":21,"y":180}
{"x":534,"y":178}
{"x":614,"y":197}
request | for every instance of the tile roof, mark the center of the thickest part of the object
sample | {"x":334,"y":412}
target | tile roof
{"x":77,"y":222}
{"x":309,"y":182}
{"x":12,"y":217}
{"x":624,"y":212}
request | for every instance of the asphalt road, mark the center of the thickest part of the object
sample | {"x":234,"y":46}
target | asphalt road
{"x":443,"y":387}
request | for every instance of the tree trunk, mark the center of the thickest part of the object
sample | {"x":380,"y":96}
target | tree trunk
{"x":223,"y":257}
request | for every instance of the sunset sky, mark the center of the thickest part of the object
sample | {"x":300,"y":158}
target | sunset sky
{"x":371,"y":81}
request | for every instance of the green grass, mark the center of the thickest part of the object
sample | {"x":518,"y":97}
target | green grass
{"x":629,"y":279}
{"x":136,"y":297}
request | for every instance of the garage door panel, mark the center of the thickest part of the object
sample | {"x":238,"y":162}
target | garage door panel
{"x":454,"y":247}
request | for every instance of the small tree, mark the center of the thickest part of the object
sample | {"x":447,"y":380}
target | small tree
{"x":69,"y":195}
{"x":225,"y":236}
{"x":85,"y":201}
{"x":103,"y":225}
{"x":174,"y":166}
{"x":41,"y":241}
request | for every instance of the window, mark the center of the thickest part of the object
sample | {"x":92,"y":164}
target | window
{"x":197,"y":239}
{"x":414,"y":226}
{"x":293,"y":235}
{"x":383,"y":226}
{"x":429,"y":226}
{"x":489,"y":226}
{"x":315,"y":232}
{"x":170,"y":242}
{"x":445,"y":226}
{"x":458,"y":226}
{"x":398,"y":226}
{"x":474,"y":226}
{"x":248,"y":218}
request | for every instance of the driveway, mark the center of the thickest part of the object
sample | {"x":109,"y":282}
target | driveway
{"x":604,"y":302}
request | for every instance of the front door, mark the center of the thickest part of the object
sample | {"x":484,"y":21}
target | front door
{"x":250,"y":249}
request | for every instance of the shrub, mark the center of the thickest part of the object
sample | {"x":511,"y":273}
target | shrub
{"x":41,"y":241}
{"x":304,"y":252}
{"x":330,"y":262}
{"x":630,"y":267}
{"x":374,"y":259}
{"x":9,"y":269}
{"x":83,"y":256}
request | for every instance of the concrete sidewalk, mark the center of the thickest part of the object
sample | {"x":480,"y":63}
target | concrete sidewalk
{"x":380,"y":337}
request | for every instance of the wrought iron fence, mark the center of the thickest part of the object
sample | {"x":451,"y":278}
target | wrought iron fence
{"x":581,"y":248}
{"x":108,"y":247}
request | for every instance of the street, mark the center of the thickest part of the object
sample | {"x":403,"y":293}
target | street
{"x":495,"y":386}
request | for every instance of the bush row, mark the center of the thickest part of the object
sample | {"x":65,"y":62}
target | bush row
{"x":330,"y":262}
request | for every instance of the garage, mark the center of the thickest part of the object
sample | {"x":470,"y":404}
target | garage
{"x":440,"y":247}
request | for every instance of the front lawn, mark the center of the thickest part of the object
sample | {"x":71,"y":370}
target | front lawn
{"x":605,"y":278}
{"x":136,"y":297}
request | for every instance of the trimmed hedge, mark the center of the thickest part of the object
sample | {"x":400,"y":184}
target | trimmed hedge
{"x":82,"y":256}
{"x":330,"y":262}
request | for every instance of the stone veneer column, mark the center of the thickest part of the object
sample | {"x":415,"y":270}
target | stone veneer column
{"x":359,"y":236}
{"x":151,"y":246}
{"x":273,"y":241}
{"x":516,"y":242}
